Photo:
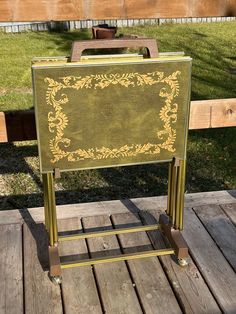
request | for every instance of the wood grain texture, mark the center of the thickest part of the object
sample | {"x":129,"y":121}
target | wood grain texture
{"x":215,"y":269}
{"x":151,"y":283}
{"x":214,"y":113}
{"x":191,"y":200}
{"x":3,"y":130}
{"x":215,"y":8}
{"x":11,"y":270}
{"x":58,"y":10}
{"x":188,"y":284}
{"x":230,"y":210}
{"x":112,"y":207}
{"x":78,"y":284}
{"x":221,"y":229}
{"x":41,"y":295}
{"x":204,"y":114}
{"x":114,"y":282}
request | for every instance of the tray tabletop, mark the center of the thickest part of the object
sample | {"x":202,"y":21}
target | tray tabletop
{"x":123,"y":111}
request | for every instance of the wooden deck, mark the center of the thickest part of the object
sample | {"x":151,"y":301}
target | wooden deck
{"x":151,"y":285}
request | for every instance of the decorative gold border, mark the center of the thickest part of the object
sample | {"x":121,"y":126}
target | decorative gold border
{"x":58,"y":121}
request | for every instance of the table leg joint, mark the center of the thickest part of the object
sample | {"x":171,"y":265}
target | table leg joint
{"x":174,"y":236}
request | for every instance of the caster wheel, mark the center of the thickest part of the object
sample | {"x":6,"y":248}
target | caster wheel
{"x":56,"y":279}
{"x":182,"y":262}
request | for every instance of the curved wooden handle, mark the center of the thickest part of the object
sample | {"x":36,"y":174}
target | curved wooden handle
{"x":79,"y":46}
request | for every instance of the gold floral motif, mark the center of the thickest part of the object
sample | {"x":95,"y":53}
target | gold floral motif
{"x":58,"y":121}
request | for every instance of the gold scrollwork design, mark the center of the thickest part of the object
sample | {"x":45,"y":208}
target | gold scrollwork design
{"x":58,"y":121}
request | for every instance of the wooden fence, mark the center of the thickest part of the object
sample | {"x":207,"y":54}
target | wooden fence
{"x":57,"y":10}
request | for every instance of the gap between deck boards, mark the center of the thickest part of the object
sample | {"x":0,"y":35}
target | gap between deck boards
{"x":207,"y":285}
{"x":224,"y":198}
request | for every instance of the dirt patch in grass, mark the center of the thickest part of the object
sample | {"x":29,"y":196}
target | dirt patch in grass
{"x":19,"y":90}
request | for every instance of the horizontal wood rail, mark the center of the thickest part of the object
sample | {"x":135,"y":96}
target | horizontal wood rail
{"x":215,"y":113}
{"x":17,"y":126}
{"x":204,"y":114}
{"x":57,"y":10}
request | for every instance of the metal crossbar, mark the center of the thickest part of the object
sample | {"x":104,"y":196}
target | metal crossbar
{"x":107,"y":233}
{"x":117,"y":258}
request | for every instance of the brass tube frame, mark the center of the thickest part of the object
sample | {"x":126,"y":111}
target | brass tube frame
{"x":117,"y":258}
{"x":178,"y":196}
{"x":168,"y":211}
{"x":176,"y":187}
{"x":106,"y":233}
{"x":182,"y":188}
{"x":176,"y":182}
{"x":50,"y":208}
{"x":173,"y":191}
{"x":45,"y":195}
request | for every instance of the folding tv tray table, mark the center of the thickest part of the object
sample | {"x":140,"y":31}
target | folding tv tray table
{"x":107,"y":111}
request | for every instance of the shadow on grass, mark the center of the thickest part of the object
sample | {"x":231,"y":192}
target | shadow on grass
{"x":211,"y":160}
{"x":114,"y":183}
{"x":64,"y":40}
{"x":203,"y":174}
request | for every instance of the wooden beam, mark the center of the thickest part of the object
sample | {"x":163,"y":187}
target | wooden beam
{"x":17,"y":126}
{"x":215,"y":113}
{"x":3,"y":130}
{"x":204,"y":114}
{"x":58,"y":10}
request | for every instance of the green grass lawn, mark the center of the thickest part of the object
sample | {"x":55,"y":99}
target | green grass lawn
{"x":211,"y":153}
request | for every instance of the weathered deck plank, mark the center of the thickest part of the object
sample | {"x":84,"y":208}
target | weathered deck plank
{"x":207,"y":285}
{"x":114,"y":282}
{"x":117,"y":206}
{"x":41,"y":295}
{"x":150,"y":280}
{"x":221,"y":229}
{"x":188,"y":284}
{"x":78,"y":285}
{"x":11,"y":272}
{"x":230,"y":210}
{"x":215,"y":269}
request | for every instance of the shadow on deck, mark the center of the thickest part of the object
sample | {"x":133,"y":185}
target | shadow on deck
{"x":150,"y":285}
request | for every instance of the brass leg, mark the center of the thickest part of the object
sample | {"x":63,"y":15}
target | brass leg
{"x":180,"y":195}
{"x":176,"y":185}
{"x":171,"y":227}
{"x":45,"y":194}
{"x":52,"y":208}
{"x":171,"y":191}
{"x":51,"y":226}
{"x":168,"y":211}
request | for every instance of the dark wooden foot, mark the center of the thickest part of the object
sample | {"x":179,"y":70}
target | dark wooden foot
{"x":175,"y":238}
{"x":54,"y":262}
